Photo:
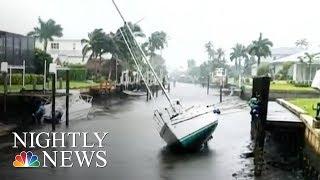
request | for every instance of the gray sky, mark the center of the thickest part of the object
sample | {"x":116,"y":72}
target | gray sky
{"x":189,"y":24}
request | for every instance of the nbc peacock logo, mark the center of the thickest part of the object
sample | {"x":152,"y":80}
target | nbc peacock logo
{"x":26,"y":159}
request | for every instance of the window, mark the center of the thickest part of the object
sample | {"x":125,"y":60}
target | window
{"x":54,"y":45}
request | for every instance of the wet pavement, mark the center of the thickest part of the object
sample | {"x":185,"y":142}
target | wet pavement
{"x":136,"y":151}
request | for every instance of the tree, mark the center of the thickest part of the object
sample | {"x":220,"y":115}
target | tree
{"x":260,"y":48}
{"x":310,"y":59}
{"x":97,"y":44}
{"x":46,"y":31}
{"x":238,"y":53}
{"x":191,"y":63}
{"x":210,"y":50}
{"x":157,"y":41}
{"x":302,"y":43}
{"x":121,"y":50}
{"x":39,"y":58}
{"x":220,"y":57}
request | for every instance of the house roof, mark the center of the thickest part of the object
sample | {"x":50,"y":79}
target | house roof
{"x":295,"y":57}
{"x":285,"y":51}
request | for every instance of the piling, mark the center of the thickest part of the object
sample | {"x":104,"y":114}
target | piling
{"x":67,"y":97}
{"x":208,"y":84}
{"x":53,"y":104}
{"x":5,"y":96}
{"x":260,"y":91}
{"x":157,"y":89}
{"x":220,"y":93}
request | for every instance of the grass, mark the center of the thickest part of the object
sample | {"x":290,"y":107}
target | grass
{"x":306,"y":104}
{"x":73,"y":85}
{"x":283,"y":86}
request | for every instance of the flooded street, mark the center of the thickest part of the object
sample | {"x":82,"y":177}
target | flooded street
{"x":136,"y":151}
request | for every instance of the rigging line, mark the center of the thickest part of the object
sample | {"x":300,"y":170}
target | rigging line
{"x":134,"y":59}
{"x":145,"y":58}
{"x":137,"y":59}
{"x":133,"y":54}
{"x":153,"y":71}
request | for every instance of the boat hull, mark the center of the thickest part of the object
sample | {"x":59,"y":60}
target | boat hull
{"x":190,"y":133}
{"x":198,"y":138}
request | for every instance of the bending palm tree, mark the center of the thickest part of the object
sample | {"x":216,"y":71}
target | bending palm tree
{"x":260,"y":48}
{"x":97,"y":44}
{"x":46,"y":31}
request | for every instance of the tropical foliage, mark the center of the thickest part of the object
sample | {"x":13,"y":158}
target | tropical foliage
{"x":302,"y":43}
{"x":309,"y":59}
{"x":46,"y":31}
{"x":260,"y":48}
{"x":39,"y":59}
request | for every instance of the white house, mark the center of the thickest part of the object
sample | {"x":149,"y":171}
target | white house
{"x":277,"y":53}
{"x":66,"y":50}
{"x":300,"y":70}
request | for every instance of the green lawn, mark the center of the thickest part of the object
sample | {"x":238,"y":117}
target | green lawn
{"x":306,"y":104}
{"x":73,"y":85}
{"x":282,"y":86}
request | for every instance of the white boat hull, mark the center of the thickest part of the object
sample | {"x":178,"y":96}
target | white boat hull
{"x":191,"y":129}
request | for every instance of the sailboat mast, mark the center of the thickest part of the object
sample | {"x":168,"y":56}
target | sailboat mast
{"x":145,"y":57}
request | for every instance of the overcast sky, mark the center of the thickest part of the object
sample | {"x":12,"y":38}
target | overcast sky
{"x":189,"y":24}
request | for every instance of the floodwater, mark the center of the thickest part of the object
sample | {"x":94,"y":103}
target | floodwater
{"x":136,"y":151}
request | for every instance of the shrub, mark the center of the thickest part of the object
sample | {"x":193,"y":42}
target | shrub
{"x":301,"y":84}
{"x":40,"y":57}
{"x":16,"y":79}
{"x":75,"y":74}
{"x":263,"y":70}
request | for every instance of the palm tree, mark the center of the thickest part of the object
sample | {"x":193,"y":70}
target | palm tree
{"x":46,"y":31}
{"x":210,"y":50}
{"x":122,"y":51}
{"x":239,"y":52}
{"x":157,"y":41}
{"x":220,"y":57}
{"x":302,"y":43}
{"x":97,"y":44}
{"x":310,"y":59}
{"x":260,"y":48}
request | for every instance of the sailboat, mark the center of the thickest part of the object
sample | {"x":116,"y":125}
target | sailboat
{"x":180,"y":127}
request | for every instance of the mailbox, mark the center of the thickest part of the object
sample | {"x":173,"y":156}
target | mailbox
{"x":4,"y":67}
{"x":52,"y":68}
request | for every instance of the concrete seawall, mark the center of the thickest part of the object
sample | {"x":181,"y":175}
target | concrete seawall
{"x":312,"y":134}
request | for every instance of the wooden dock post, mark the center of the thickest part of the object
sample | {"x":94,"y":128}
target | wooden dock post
{"x":157,"y":89}
{"x":53,"y":103}
{"x":5,"y":96}
{"x":53,"y":71}
{"x":208,"y":84}
{"x":260,"y":91}
{"x":221,"y":93}
{"x":4,"y":70}
{"x":67,"y":97}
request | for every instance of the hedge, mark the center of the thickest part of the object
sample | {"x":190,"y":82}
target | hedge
{"x":75,"y":74}
{"x":16,"y":78}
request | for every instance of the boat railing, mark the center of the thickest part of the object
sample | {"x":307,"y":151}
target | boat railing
{"x":86,"y":98}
